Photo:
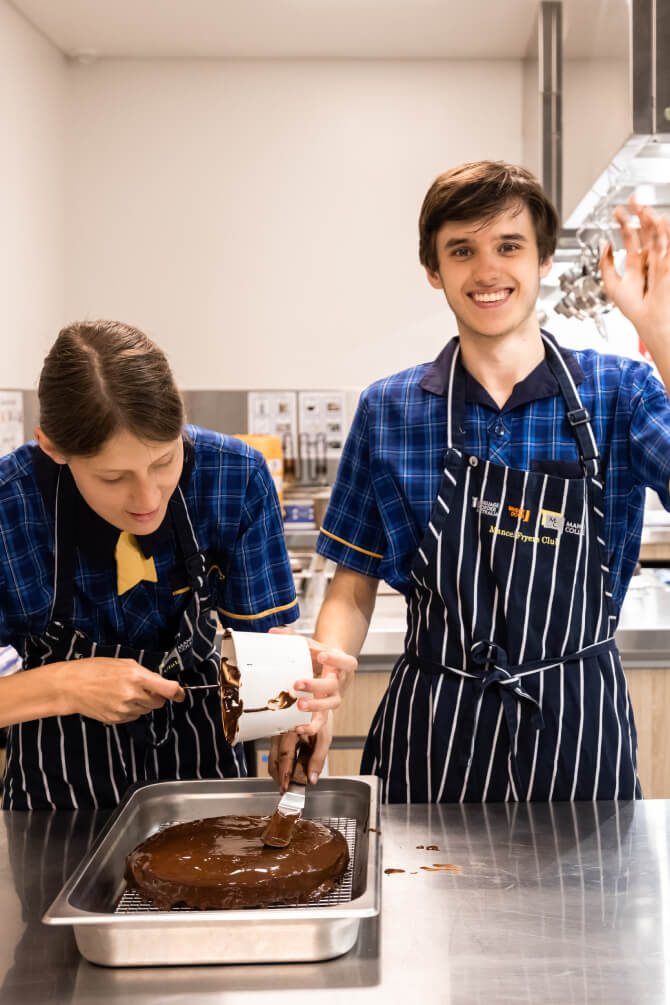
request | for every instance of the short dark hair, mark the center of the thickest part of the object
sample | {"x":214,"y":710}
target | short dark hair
{"x":481,"y":190}
{"x":100,"y":377}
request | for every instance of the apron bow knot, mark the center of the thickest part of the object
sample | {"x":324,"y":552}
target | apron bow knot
{"x":495,"y":662}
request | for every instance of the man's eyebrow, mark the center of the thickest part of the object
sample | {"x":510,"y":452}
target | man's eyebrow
{"x":454,"y":242}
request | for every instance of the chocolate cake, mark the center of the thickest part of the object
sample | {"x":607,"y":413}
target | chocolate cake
{"x":221,"y":862}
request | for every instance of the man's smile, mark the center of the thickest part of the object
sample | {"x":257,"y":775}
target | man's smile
{"x":491,"y":298}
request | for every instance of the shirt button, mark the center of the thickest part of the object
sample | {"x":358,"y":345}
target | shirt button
{"x":473,"y":461}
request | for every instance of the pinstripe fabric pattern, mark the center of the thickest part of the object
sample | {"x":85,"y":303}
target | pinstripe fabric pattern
{"x":510,"y":686}
{"x":392,"y":463}
{"x":10,"y":661}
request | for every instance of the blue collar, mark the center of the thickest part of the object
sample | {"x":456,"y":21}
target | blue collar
{"x":540,"y":382}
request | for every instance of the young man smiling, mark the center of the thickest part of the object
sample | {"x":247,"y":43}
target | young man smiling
{"x":501,"y":489}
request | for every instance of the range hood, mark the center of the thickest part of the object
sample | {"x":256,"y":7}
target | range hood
{"x":643,"y":162}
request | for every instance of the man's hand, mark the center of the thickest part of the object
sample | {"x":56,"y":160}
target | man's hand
{"x":282,"y":755}
{"x":642,"y":293}
{"x":332,"y":670}
{"x":112,"y":690}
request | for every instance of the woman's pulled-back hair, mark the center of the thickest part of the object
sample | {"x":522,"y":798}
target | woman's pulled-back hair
{"x":101,"y":377}
{"x":482,"y":190}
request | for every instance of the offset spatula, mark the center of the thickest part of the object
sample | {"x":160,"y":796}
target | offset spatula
{"x":279,"y":831}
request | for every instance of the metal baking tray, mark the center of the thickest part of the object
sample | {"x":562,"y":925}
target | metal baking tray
{"x":114,"y":929}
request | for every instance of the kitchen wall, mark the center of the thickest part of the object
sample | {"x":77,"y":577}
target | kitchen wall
{"x":32,"y":197}
{"x":259,"y":219}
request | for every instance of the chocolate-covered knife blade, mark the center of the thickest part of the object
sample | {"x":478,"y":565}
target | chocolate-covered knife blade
{"x":279,"y":830}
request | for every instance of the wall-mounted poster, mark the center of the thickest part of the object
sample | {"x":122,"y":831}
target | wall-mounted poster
{"x":11,"y":421}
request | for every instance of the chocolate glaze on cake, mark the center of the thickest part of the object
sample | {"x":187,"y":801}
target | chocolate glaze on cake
{"x":221,"y":862}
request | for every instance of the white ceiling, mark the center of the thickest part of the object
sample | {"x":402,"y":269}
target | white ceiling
{"x":317,"y":29}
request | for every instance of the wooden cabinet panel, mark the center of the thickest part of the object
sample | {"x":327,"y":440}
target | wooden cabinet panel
{"x":650,"y":696}
{"x":345,"y":761}
{"x":341,"y":761}
{"x":354,"y":716}
{"x":656,"y":551}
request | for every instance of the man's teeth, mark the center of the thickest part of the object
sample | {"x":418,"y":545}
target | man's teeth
{"x":488,"y":298}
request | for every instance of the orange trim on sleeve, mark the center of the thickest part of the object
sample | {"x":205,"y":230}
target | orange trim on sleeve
{"x":262,"y":614}
{"x":184,"y":589}
{"x":373,"y":554}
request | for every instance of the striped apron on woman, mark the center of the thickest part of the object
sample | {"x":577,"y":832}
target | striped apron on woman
{"x":71,"y":762}
{"x":510,"y":686}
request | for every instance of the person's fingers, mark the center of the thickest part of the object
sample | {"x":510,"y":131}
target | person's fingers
{"x":273,"y":759}
{"x":325,"y":697}
{"x":629,"y":237}
{"x":338,"y":662}
{"x":286,"y":758}
{"x":154,"y":683}
{"x":660,"y":238}
{"x":321,"y":687}
{"x":650,"y":225}
{"x":318,"y":758}
{"x":316,"y":723}
{"x":611,"y":278}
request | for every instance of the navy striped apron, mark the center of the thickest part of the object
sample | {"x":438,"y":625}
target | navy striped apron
{"x":71,"y":762}
{"x":510,"y":686}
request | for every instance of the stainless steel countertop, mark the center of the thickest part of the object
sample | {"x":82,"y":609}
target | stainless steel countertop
{"x":556,"y":903}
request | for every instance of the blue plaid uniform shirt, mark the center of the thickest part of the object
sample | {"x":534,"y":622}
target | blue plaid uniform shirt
{"x":235,"y":513}
{"x":391,"y":465}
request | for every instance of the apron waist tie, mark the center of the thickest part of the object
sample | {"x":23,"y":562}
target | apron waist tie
{"x":493,"y":660}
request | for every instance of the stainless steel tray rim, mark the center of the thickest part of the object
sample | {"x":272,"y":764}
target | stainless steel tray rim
{"x":191,"y":918}
{"x":110,"y":938}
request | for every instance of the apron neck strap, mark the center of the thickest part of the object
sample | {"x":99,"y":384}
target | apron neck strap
{"x":187,"y":541}
{"x":64,"y":546}
{"x":578,"y":417}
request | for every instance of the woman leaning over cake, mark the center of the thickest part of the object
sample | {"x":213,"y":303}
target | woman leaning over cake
{"x":124,"y":535}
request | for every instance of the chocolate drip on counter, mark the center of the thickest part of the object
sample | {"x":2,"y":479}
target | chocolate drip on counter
{"x":221,"y":863}
{"x":442,"y":867}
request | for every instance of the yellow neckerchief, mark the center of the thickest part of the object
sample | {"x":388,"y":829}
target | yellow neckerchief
{"x":131,"y":565}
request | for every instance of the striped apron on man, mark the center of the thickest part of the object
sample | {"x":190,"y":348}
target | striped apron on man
{"x":71,"y":762}
{"x":510,"y":686}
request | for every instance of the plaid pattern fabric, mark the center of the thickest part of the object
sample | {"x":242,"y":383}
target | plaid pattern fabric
{"x":392,"y":462}
{"x":235,"y":512}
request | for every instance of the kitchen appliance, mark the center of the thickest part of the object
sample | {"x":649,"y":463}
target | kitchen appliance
{"x":114,"y":927}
